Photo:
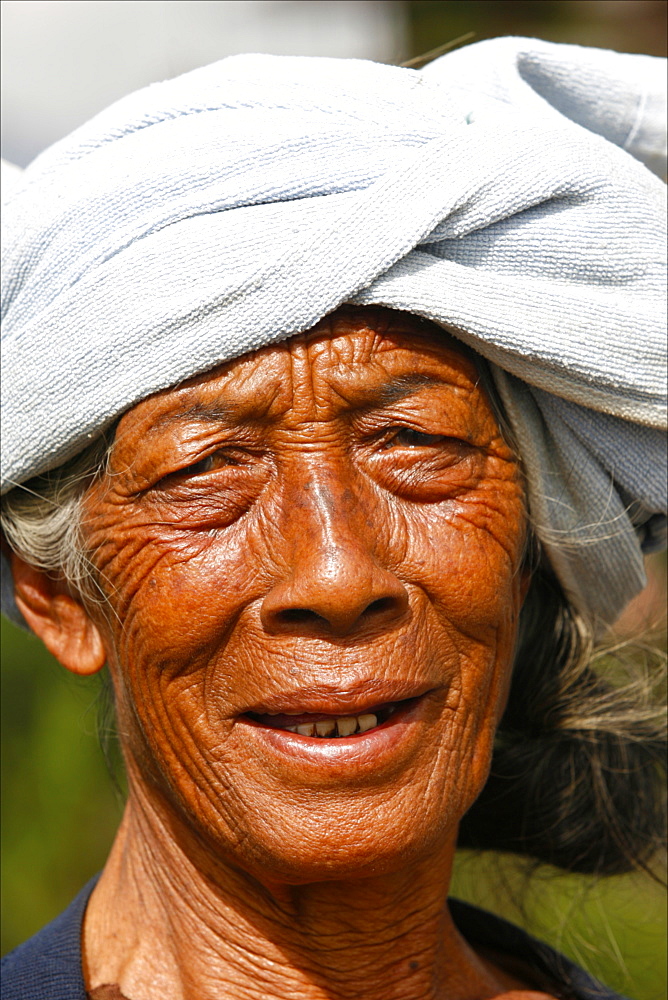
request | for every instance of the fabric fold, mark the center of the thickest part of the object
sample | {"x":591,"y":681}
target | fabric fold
{"x":502,"y":192}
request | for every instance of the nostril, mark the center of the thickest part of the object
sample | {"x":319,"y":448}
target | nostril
{"x":380,"y":606}
{"x":300,"y":616}
{"x":335,"y":609}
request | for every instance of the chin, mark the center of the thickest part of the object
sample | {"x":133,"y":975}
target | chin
{"x":319,"y":841}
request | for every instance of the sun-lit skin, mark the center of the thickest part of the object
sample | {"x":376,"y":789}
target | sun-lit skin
{"x":335,"y":519}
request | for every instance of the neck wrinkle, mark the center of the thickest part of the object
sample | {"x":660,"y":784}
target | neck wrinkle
{"x":167,"y":915}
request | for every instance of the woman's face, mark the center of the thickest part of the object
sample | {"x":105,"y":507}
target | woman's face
{"x":329,"y":529}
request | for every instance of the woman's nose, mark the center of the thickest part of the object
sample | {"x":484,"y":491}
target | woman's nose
{"x":334,"y":584}
{"x":339,"y":591}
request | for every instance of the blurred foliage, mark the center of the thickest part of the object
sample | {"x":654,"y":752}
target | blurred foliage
{"x":615,"y":928}
{"x":60,"y":805}
{"x":624,"y":25}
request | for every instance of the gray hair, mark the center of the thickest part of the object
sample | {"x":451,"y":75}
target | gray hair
{"x":41,"y":520}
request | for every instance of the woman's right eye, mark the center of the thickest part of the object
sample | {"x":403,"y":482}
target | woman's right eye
{"x":199,"y":468}
{"x":216,"y":460}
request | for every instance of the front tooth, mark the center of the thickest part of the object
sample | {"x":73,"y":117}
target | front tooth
{"x":290,"y":729}
{"x":367,"y":721}
{"x":307,"y":729}
{"x":325,"y":728}
{"x":346,"y":727}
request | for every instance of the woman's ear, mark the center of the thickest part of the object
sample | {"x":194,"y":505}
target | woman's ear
{"x":58,"y":619}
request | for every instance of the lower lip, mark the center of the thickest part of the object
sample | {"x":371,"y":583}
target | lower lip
{"x":371,"y":748}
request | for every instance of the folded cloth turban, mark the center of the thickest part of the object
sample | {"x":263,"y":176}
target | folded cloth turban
{"x":507,"y":191}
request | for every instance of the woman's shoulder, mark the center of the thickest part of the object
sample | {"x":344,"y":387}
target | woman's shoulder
{"x":553,"y":972}
{"x":48,"y":965}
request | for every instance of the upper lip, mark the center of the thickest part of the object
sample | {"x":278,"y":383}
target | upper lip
{"x":328,"y":699}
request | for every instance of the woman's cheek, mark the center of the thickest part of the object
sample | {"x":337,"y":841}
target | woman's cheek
{"x":149,"y":570}
{"x":465,"y":566}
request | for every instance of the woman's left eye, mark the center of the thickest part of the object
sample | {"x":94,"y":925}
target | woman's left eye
{"x":406,"y":437}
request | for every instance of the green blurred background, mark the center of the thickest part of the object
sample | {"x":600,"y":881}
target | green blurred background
{"x":60,"y":806}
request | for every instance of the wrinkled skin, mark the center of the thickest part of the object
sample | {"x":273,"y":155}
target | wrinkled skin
{"x":333,"y":518}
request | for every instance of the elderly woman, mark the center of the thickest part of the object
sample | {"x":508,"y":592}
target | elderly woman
{"x":333,"y":407}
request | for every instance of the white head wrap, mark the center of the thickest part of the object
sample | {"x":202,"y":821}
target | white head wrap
{"x":503,"y":192}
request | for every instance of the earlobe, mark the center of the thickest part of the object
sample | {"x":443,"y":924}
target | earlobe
{"x":60,"y":620}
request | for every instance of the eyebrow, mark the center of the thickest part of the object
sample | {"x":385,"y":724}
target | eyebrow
{"x":404,"y":385}
{"x":390,"y":392}
{"x":212,"y":412}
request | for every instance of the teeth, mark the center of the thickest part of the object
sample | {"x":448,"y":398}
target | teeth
{"x":367,"y":722}
{"x":333,"y":728}
{"x":346,"y":727}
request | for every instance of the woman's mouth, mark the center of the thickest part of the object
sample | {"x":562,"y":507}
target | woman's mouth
{"x":330,"y":735}
{"x":330,"y":727}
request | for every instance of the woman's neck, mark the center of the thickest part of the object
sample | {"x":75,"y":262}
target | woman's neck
{"x":169,"y":920}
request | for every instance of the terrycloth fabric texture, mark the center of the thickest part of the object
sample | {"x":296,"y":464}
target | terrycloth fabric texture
{"x":503,"y":192}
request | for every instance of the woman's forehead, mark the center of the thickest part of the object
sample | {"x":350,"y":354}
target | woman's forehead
{"x":359,"y":357}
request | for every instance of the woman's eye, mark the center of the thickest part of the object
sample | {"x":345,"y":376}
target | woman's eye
{"x":207,"y":465}
{"x":217,"y":460}
{"x":406,"y":437}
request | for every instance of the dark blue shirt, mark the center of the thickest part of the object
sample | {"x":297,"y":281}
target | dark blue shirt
{"x":48,"y":966}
